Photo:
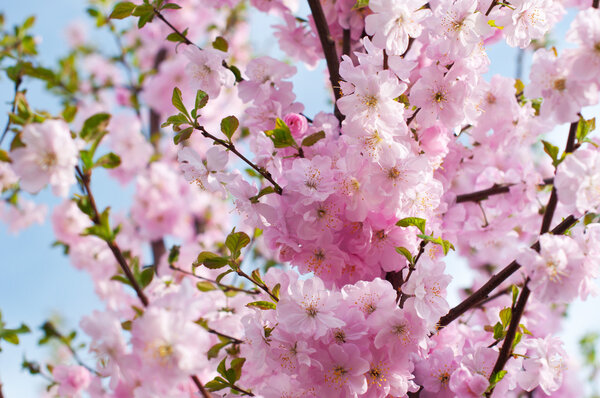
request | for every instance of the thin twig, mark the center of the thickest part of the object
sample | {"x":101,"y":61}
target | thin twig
{"x":496,"y":189}
{"x":14,"y":105}
{"x":497,"y":279}
{"x":49,"y":327}
{"x":331,"y":57}
{"x":230,"y":146}
{"x":225,"y":288}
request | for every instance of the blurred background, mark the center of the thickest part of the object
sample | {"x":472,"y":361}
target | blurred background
{"x":36,"y":280}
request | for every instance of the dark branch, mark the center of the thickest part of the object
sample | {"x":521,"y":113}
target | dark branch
{"x":331,"y":57}
{"x":496,"y":280}
{"x":14,"y":105}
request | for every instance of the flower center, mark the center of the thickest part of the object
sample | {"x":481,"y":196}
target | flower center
{"x":560,"y":84}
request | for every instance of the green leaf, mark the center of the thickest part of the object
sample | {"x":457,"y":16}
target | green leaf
{"x":276,"y":290}
{"x":176,"y":120}
{"x":142,"y":10}
{"x":404,"y":251}
{"x":69,"y":113}
{"x":201,"y":99}
{"x":220,"y":44}
{"x":263,"y":305}
{"x":93,"y":125}
{"x":235,"y":242}
{"x":413,"y":221}
{"x":216,"y":385}
{"x":183,"y":135}
{"x":213,"y":352}
{"x":265,"y":191}
{"x":122,"y":10}
{"x":205,"y":286}
{"x":517,"y":339}
{"x":221,"y":369}
{"x":146,"y":277}
{"x":220,"y":277}
{"x":236,"y":365}
{"x":495,"y":378}
{"x":256,"y":276}
{"x":11,"y":338}
{"x":229,"y":125}
{"x":210,"y":260}
{"x":360,"y":4}
{"x":515,"y":294}
{"x":171,"y":6}
{"x":446,"y":245}
{"x":177,"y":101}
{"x":552,"y":151}
{"x":236,"y":72}
{"x":281,"y":135}
{"x":173,"y":254}
{"x":498,"y":331}
{"x":584,"y":127}
{"x":109,"y":161}
{"x":4,"y":156}
{"x":313,"y":138}
{"x":505,"y":316}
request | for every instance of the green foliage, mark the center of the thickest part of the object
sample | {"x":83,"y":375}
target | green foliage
{"x":235,"y":242}
{"x":313,"y":138}
{"x":102,"y":229}
{"x":446,"y":245}
{"x":263,"y":305}
{"x":229,"y":125}
{"x":11,"y":335}
{"x":281,"y":135}
{"x":404,"y":251}
{"x":227,"y":377}
{"x":220,"y":44}
{"x":413,"y":221}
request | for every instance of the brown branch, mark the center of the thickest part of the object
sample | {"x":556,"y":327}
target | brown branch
{"x":496,"y":280}
{"x":494,"y":4}
{"x":331,"y":57}
{"x":230,"y":146}
{"x":53,"y":332}
{"x":12,"y":110}
{"x":517,"y":312}
{"x":595,"y":3}
{"x":85,"y":180}
{"x":496,"y":189}
{"x":261,"y":286}
{"x":507,"y":346}
{"x":412,"y":117}
{"x":216,"y":333}
{"x":225,"y":288}
{"x":346,"y":41}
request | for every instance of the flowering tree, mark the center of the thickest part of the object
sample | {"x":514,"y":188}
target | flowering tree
{"x":329,"y":278}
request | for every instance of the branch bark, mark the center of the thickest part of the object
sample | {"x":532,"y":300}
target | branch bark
{"x":331,"y":57}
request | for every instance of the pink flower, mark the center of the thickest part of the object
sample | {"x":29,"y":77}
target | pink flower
{"x":440,"y":97}
{"x":543,"y":365}
{"x":434,"y":373}
{"x":344,"y":371}
{"x":309,"y":309}
{"x":72,"y":380}
{"x":49,"y":157}
{"x":207,"y":173}
{"x":68,"y":222}
{"x":206,"y":70}
{"x":585,"y":31}
{"x":393,"y":22}
{"x":556,"y":271}
{"x":297,"y":124}
{"x":22,"y":214}
{"x":470,"y":380}
{"x":7,"y":176}
{"x":428,"y":285}
{"x":578,"y":180}
{"x":528,"y":20}
{"x":311,"y":179}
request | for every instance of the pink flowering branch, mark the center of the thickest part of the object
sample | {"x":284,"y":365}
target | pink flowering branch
{"x":224,"y":287}
{"x":331,"y":57}
{"x":496,"y":189}
{"x":517,"y":312}
{"x":231,"y":147}
{"x":496,"y":280}
{"x":118,"y":254}
{"x":18,"y":82}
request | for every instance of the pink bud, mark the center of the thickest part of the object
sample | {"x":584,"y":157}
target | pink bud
{"x":297,"y":124}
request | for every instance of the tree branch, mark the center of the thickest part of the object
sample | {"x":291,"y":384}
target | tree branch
{"x":496,"y":189}
{"x":230,"y":146}
{"x":328,"y":45}
{"x":12,"y":110}
{"x":497,"y":279}
{"x":224,"y":287}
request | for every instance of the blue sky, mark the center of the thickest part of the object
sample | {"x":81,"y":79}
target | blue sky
{"x":37,"y":280}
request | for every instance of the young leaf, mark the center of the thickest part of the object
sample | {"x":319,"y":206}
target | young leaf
{"x":552,"y":151}
{"x":229,"y":125}
{"x":235,"y":242}
{"x":505,"y":316}
{"x":220,"y":44}
{"x":413,"y":221}
{"x":201,"y":99}
{"x":404,"y":251}
{"x":183,"y":135}
{"x":263,"y":305}
{"x":177,"y":101}
{"x":122,"y":10}
{"x":109,"y":161}
{"x":313,"y":138}
{"x":210,"y":260}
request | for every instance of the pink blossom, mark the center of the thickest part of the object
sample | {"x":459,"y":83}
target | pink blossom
{"x":22,"y":214}
{"x":206,"y":70}
{"x":49,"y":157}
{"x":72,"y":380}
{"x":428,"y":285}
{"x":528,"y":20}
{"x":297,"y":124}
{"x":543,"y":365}
{"x":578,"y":180}
{"x":8,"y":178}
{"x":393,"y":22}
{"x":207,"y":173}
{"x":434,"y":373}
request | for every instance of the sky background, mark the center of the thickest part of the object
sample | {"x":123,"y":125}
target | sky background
{"x":37,"y":281}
